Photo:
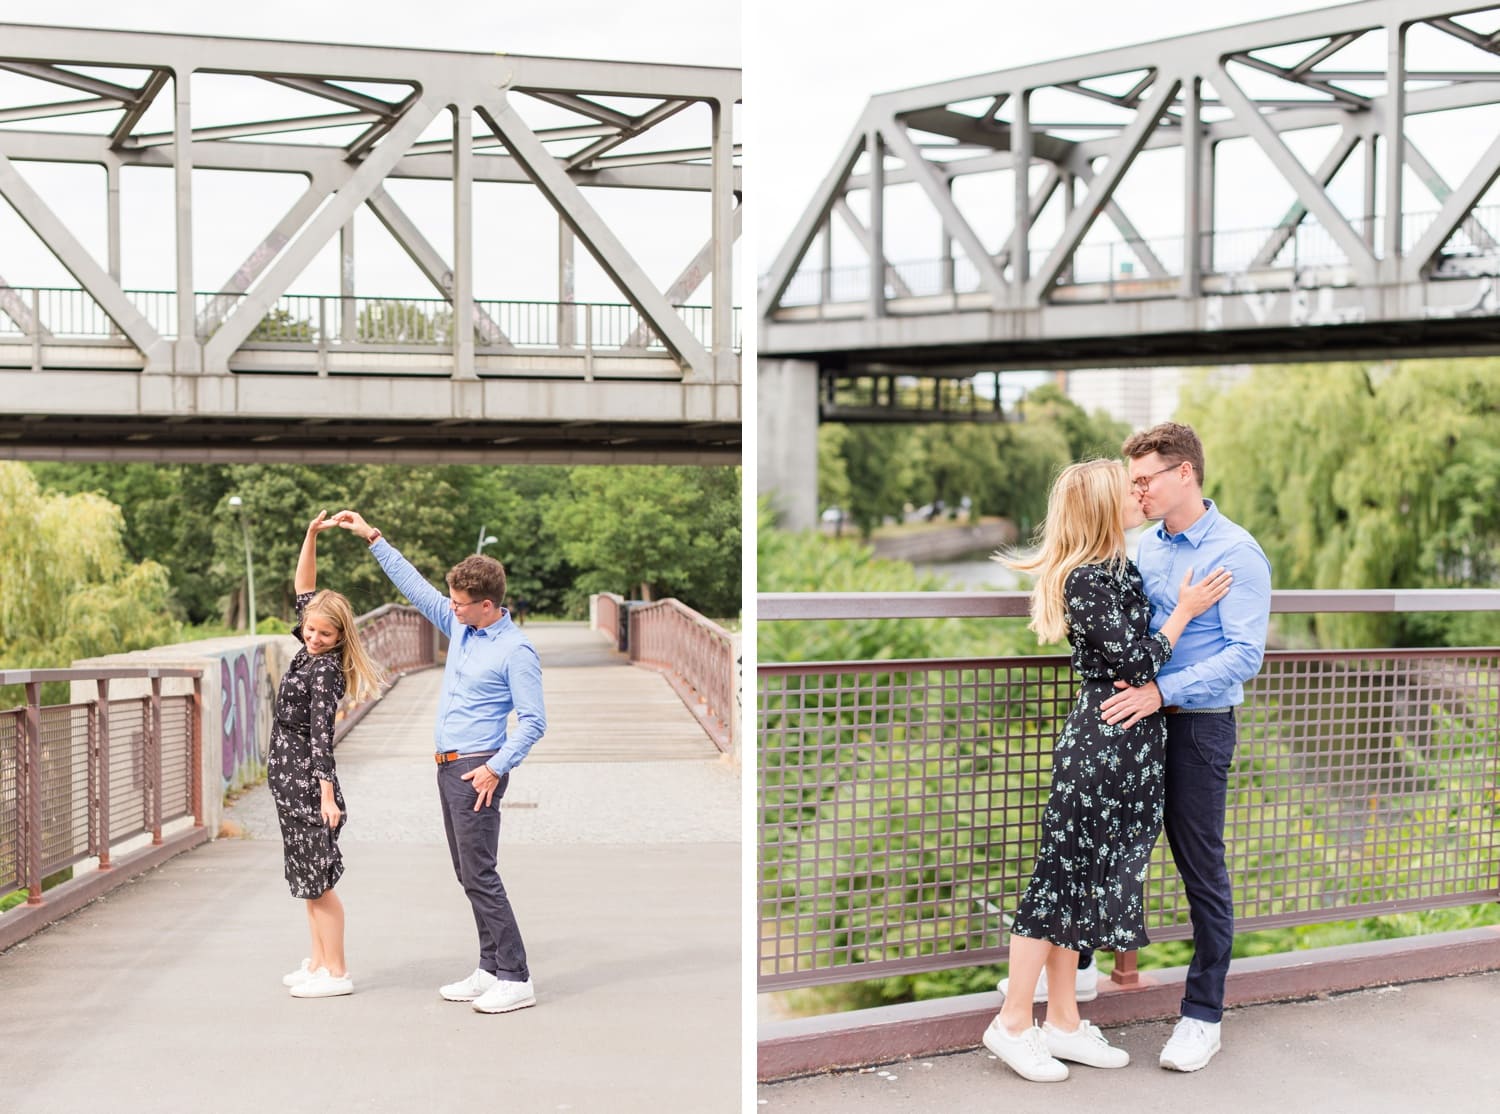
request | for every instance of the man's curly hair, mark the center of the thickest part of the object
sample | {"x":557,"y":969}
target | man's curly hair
{"x":483,"y":578}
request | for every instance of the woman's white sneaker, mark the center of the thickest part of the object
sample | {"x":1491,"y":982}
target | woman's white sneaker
{"x":323,"y":985}
{"x":1084,"y":1045}
{"x":466,"y":990}
{"x":1192,"y":1046}
{"x":1026,"y":1055}
{"x":299,"y":976}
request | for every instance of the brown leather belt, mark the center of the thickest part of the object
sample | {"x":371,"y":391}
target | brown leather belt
{"x":1179,"y":710}
{"x":446,"y":756}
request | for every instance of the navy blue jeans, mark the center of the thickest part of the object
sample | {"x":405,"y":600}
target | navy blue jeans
{"x":474,"y":841}
{"x":1199,"y":751}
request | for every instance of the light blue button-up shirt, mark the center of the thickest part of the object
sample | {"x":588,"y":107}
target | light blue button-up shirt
{"x":490,"y":672}
{"x":1222,"y":648}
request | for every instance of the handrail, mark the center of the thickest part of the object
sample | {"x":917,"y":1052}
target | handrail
{"x":697,"y":657}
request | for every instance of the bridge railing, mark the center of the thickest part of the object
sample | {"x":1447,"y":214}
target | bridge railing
{"x":1111,"y":269}
{"x":698,"y":657}
{"x":695,"y":654}
{"x":400,"y":640}
{"x":335,"y":321}
{"x":899,"y":801}
{"x":78,"y":779}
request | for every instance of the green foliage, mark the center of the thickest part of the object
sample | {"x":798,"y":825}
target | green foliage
{"x":67,"y":587}
{"x":1355,"y":476}
{"x":653,"y":532}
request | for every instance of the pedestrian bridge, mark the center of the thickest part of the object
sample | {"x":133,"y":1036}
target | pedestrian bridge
{"x":294,"y":354}
{"x":619,"y":846}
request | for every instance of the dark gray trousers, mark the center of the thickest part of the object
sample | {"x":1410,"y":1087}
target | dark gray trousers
{"x":474,"y":842}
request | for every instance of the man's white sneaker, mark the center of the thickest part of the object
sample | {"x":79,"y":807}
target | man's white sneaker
{"x":1085,"y":987}
{"x":320,"y":984}
{"x":1192,"y":1046}
{"x":466,"y":990}
{"x":299,"y":976}
{"x":506,"y":995}
{"x":1025,"y":1055}
{"x":1084,"y":1045}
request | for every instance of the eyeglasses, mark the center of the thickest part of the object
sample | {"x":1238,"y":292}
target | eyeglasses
{"x":1143,"y":483}
{"x":463,"y":603}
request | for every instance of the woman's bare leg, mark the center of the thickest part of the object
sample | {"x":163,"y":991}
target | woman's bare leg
{"x":315,"y":957}
{"x":1062,"y":1000}
{"x":327,"y":913}
{"x":1027,"y":957}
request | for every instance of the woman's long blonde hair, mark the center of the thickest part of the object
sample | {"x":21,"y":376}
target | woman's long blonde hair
{"x":363,"y":678}
{"x":1085,"y":525}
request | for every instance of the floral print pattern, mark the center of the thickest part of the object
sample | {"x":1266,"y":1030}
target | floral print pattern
{"x":1104,"y":813}
{"x":301,"y":757}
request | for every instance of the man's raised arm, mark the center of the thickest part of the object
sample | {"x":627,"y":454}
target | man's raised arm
{"x":413,"y":585}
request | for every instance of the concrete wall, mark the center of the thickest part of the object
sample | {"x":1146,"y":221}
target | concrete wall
{"x":240,"y":676}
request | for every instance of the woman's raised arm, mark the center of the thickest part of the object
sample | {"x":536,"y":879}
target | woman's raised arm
{"x":306,"y":578}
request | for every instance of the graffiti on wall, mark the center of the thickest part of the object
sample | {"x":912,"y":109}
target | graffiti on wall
{"x":248,"y":695}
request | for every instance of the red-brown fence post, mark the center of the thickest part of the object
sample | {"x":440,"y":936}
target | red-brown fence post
{"x":195,"y":778}
{"x":1125,"y":973}
{"x":31,"y":815}
{"x":101,"y":741}
{"x":153,"y":762}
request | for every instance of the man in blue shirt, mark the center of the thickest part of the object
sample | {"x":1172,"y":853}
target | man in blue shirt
{"x":1198,"y":690}
{"x":492,"y":670}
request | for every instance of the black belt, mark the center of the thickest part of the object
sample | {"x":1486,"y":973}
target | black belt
{"x":1179,"y":710}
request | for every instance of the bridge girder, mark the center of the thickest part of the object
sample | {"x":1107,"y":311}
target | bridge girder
{"x":367,"y":116}
{"x":1071,"y":134}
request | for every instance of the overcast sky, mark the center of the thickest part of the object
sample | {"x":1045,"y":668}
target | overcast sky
{"x":515,"y":228}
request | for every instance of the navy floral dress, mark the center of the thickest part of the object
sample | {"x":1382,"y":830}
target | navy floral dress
{"x":1105,"y":810}
{"x":301,"y":756}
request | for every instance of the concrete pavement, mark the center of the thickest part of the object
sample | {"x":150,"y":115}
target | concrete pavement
{"x":1426,"y":1046}
{"x":165,"y":996}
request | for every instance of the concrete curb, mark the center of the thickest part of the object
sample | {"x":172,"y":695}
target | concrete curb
{"x":807,"y":1046}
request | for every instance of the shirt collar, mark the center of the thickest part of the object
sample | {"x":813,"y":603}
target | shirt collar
{"x":494,"y":629}
{"x":1195,"y":533}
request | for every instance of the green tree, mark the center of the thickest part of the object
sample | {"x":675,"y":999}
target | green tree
{"x":68,"y":589}
{"x":653,"y":531}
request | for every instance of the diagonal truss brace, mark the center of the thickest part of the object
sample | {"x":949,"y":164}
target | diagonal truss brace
{"x":1455,"y":209}
{"x":83,"y":267}
{"x":565,"y":196}
{"x":428,"y":259}
{"x":688,"y":280}
{"x":931,"y":183}
{"x":248,"y":314}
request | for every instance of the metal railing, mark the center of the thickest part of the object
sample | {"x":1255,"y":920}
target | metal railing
{"x":899,"y":800}
{"x":1116,"y":269}
{"x":695,"y":654}
{"x":76,"y":779}
{"x":400,"y":640}
{"x":49,"y":314}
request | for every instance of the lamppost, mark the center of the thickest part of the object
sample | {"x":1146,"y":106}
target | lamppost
{"x":238,"y":504}
{"x":484,"y":540}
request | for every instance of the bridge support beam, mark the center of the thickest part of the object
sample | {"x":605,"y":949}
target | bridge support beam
{"x":787,"y":464}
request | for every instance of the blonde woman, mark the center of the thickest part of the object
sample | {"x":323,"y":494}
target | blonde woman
{"x":304,"y":782}
{"x":1105,"y":809}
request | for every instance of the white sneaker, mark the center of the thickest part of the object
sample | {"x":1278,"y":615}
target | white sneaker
{"x":1192,"y":1046}
{"x":1084,"y":1045}
{"x":466,"y":990}
{"x":506,"y":995}
{"x":320,"y":984}
{"x":1085,"y":987}
{"x":299,"y":976}
{"x":1025,"y":1055}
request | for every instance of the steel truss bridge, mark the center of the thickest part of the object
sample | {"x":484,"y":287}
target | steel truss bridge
{"x":240,"y":369}
{"x":1090,"y":212}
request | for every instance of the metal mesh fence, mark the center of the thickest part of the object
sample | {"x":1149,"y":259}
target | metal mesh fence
{"x":899,"y":801}
{"x":176,"y":757}
{"x":10,"y":800}
{"x":129,"y":801}
{"x":65,"y":784}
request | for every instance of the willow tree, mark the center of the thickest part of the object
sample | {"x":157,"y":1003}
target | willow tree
{"x":67,"y":588}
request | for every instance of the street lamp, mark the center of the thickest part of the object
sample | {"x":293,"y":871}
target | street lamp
{"x":484,"y":540}
{"x":239,"y":505}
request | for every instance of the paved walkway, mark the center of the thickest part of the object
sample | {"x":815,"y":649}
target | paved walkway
{"x":624,"y":868}
{"x":1418,"y":1047}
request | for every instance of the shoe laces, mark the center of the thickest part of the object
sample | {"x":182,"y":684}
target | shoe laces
{"x":1190,"y":1029}
{"x":1036,"y":1043}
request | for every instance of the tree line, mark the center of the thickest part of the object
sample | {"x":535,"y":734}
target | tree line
{"x":100,"y":558}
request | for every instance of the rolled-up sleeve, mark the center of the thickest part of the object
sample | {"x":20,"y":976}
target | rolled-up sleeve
{"x":523,"y":671}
